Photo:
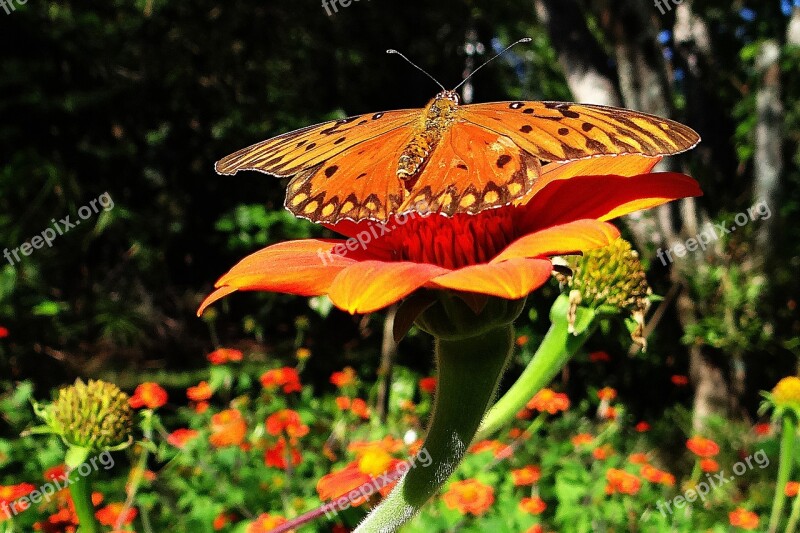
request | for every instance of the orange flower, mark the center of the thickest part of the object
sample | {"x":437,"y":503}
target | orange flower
{"x":286,"y":421}
{"x":469,"y":496}
{"x":343,"y":402}
{"x":221,"y":356}
{"x":344,"y":378}
{"x":680,"y":380}
{"x":620,"y":481}
{"x":550,"y":401}
{"x":10,"y":493}
{"x":763,"y":429}
{"x":654,"y":475}
{"x":149,"y":395}
{"x":181,"y":437}
{"x":603,"y":452}
{"x":427,"y":384}
{"x":534,"y":505}
{"x":709,"y":465}
{"x":359,"y":408}
{"x":276,"y":455}
{"x":228,"y":428}
{"x":201,"y":392}
{"x":743,"y":518}
{"x":536,"y":528}
{"x":642,"y":427}
{"x":500,"y":252}
{"x":596,"y":357}
{"x":522,"y":340}
{"x":285,"y":377}
{"x":222,"y":520}
{"x":581,"y":439}
{"x":607,"y":393}
{"x":362,"y":473}
{"x":638,"y":458}
{"x":264,"y":523}
{"x":702,"y":447}
{"x":109,"y":514}
{"x":55,"y":473}
{"x":527,"y":475}
{"x":791,"y":489}
{"x":498,"y":449}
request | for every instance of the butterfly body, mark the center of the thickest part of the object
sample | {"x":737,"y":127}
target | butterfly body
{"x":445,"y":158}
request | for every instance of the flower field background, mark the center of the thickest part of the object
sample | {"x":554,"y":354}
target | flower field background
{"x":676,"y":405}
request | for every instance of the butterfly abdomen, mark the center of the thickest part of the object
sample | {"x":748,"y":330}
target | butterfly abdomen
{"x":436,"y":119}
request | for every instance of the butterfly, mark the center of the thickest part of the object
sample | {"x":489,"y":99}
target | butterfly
{"x":445,"y":158}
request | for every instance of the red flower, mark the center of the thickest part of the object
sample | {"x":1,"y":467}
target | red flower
{"x":3,"y":332}
{"x":149,"y":395}
{"x":709,"y":465}
{"x":534,"y":505}
{"x":373,"y":461}
{"x":791,"y":489}
{"x":500,"y":252}
{"x":344,"y":378}
{"x":743,"y":518}
{"x":228,"y":428}
{"x":276,"y":455}
{"x":654,"y":475}
{"x":109,"y":514}
{"x":550,"y":401}
{"x":596,"y":357}
{"x":607,"y":393}
{"x":55,"y":473}
{"x":199,"y":393}
{"x":763,"y":429}
{"x":427,"y":384}
{"x":638,"y":458}
{"x":286,"y":421}
{"x":359,"y":408}
{"x":622,"y":482}
{"x":221,"y":356}
{"x":527,"y":475}
{"x":342,"y":402}
{"x":679,"y":380}
{"x":285,"y":377}
{"x":10,"y":493}
{"x":642,"y":427}
{"x":469,"y":496}
{"x":702,"y":447}
{"x":181,"y":437}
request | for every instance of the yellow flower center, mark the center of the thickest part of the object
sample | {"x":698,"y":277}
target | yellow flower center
{"x":787,"y":391}
{"x":374,"y":462}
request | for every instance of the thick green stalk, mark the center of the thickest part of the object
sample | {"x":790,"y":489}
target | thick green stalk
{"x":81,"y":490}
{"x":785,"y":461}
{"x":469,"y":371}
{"x":794,"y":518}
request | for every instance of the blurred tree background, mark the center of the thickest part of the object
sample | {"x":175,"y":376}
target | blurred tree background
{"x":139,"y":99}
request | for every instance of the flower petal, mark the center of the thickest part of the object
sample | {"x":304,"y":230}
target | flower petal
{"x":562,"y":239}
{"x":371,"y":285}
{"x":510,"y":279}
{"x":603,"y":197}
{"x":305,"y":268}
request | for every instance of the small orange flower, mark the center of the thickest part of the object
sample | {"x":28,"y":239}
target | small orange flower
{"x":286,"y":421}
{"x":427,"y":384}
{"x":264,"y":523}
{"x":791,"y":489}
{"x":601,"y":453}
{"x":527,"y":475}
{"x":702,"y":447}
{"x":642,"y":427}
{"x":469,"y":496}
{"x":638,"y":458}
{"x":709,"y":465}
{"x":762,"y":429}
{"x":359,"y":408}
{"x":498,"y":449}
{"x":201,"y":407}
{"x":181,"y":437}
{"x":620,"y":481}
{"x":607,"y":393}
{"x":222,"y":520}
{"x":534,"y":505}
{"x":596,"y":357}
{"x":224,"y":355}
{"x":343,"y":402}
{"x":228,"y":428}
{"x":285,"y":377}
{"x":200,"y":392}
{"x":55,"y":473}
{"x":345,"y":377}
{"x":536,"y":528}
{"x":276,"y":455}
{"x":679,"y":380}
{"x":149,"y":395}
{"x":110,"y":514}
{"x":743,"y":518}
{"x":654,"y":475}
{"x":581,"y":439}
{"x":522,"y":340}
{"x":550,"y":401}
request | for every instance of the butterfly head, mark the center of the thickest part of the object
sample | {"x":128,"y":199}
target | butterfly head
{"x":448,"y":95}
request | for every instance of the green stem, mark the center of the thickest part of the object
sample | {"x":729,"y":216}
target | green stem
{"x":556,"y":350}
{"x":81,"y":490}
{"x":794,"y":518}
{"x":784,"y":471}
{"x":469,"y":371}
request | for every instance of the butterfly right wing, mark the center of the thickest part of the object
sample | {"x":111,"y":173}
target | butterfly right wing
{"x":300,"y":150}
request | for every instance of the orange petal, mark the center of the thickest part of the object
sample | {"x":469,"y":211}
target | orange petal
{"x":305,"y":268}
{"x":371,"y":285}
{"x":604,"y":197}
{"x":511,"y":279}
{"x":573,"y":237}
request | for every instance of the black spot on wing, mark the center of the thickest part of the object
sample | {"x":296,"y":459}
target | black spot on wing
{"x":563,"y":131}
{"x":503,"y":160}
{"x":526,"y":129}
{"x":331,"y":170}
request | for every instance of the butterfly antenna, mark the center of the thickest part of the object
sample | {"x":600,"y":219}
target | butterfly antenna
{"x":523,"y":40}
{"x":393,"y":51}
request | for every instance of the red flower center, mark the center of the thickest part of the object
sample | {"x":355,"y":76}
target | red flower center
{"x":450,"y":242}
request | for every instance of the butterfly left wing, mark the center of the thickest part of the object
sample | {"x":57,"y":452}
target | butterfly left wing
{"x":472,"y":169}
{"x":563,"y":131}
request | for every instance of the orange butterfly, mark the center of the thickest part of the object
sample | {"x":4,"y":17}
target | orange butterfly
{"x":445,"y":158}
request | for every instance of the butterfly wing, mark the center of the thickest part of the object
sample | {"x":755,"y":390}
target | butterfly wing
{"x":470,"y":170}
{"x":302,"y":149}
{"x":563,"y":131}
